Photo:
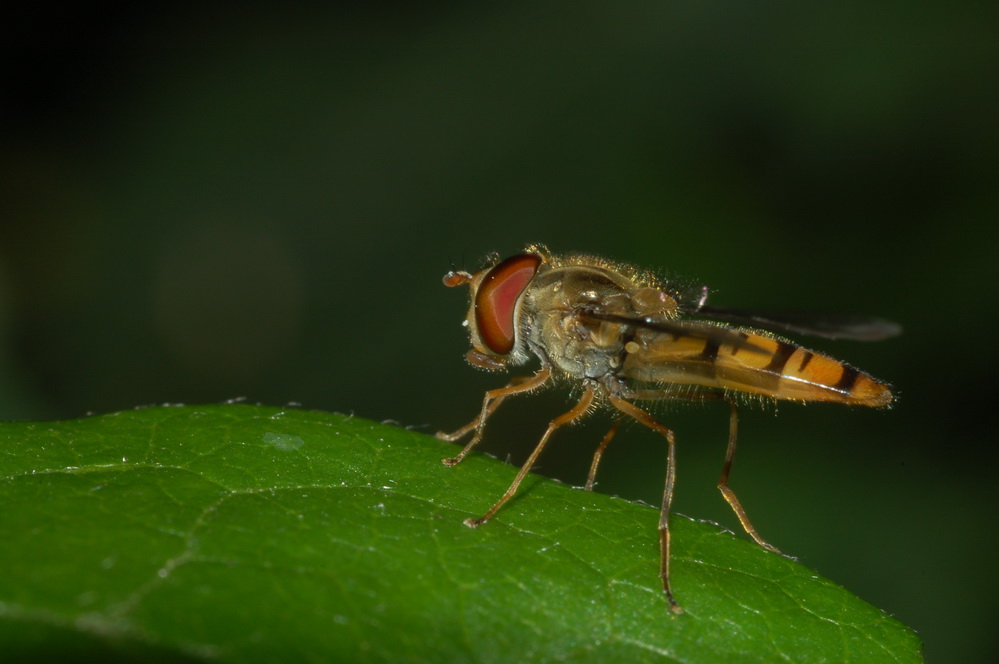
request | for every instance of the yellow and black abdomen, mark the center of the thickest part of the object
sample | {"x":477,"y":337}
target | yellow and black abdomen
{"x":763,"y":365}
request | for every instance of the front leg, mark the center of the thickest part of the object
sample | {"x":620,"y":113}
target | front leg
{"x":576,"y":412}
{"x":490,"y":402}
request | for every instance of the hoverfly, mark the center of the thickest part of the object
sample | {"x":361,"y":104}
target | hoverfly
{"x":628,"y":337}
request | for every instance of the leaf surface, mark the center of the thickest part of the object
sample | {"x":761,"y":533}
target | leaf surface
{"x":238,"y":533}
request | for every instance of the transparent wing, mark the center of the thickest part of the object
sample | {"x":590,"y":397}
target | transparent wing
{"x":715,"y":334}
{"x":829,"y":326}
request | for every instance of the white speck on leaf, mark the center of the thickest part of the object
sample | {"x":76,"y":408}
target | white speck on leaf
{"x":283,"y":442}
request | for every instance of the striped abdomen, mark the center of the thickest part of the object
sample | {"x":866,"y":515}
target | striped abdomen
{"x":769,"y":367}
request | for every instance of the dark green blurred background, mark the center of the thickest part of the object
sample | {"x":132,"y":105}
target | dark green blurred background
{"x":202,"y":204}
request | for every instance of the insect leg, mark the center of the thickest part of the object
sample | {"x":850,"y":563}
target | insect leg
{"x":727,"y":493}
{"x":664,"y":536}
{"x":495,"y":400}
{"x":490,"y":403}
{"x":592,"y":477}
{"x":572,"y":415}
{"x":733,"y":429}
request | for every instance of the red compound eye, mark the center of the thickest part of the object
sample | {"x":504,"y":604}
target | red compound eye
{"x":496,"y":300}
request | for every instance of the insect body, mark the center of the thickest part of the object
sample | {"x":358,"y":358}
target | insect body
{"x":627,"y":337}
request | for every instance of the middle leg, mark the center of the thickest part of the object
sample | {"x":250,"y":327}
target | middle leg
{"x":644,"y":418}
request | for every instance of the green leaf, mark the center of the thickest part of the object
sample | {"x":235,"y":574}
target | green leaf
{"x":249,"y":534}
